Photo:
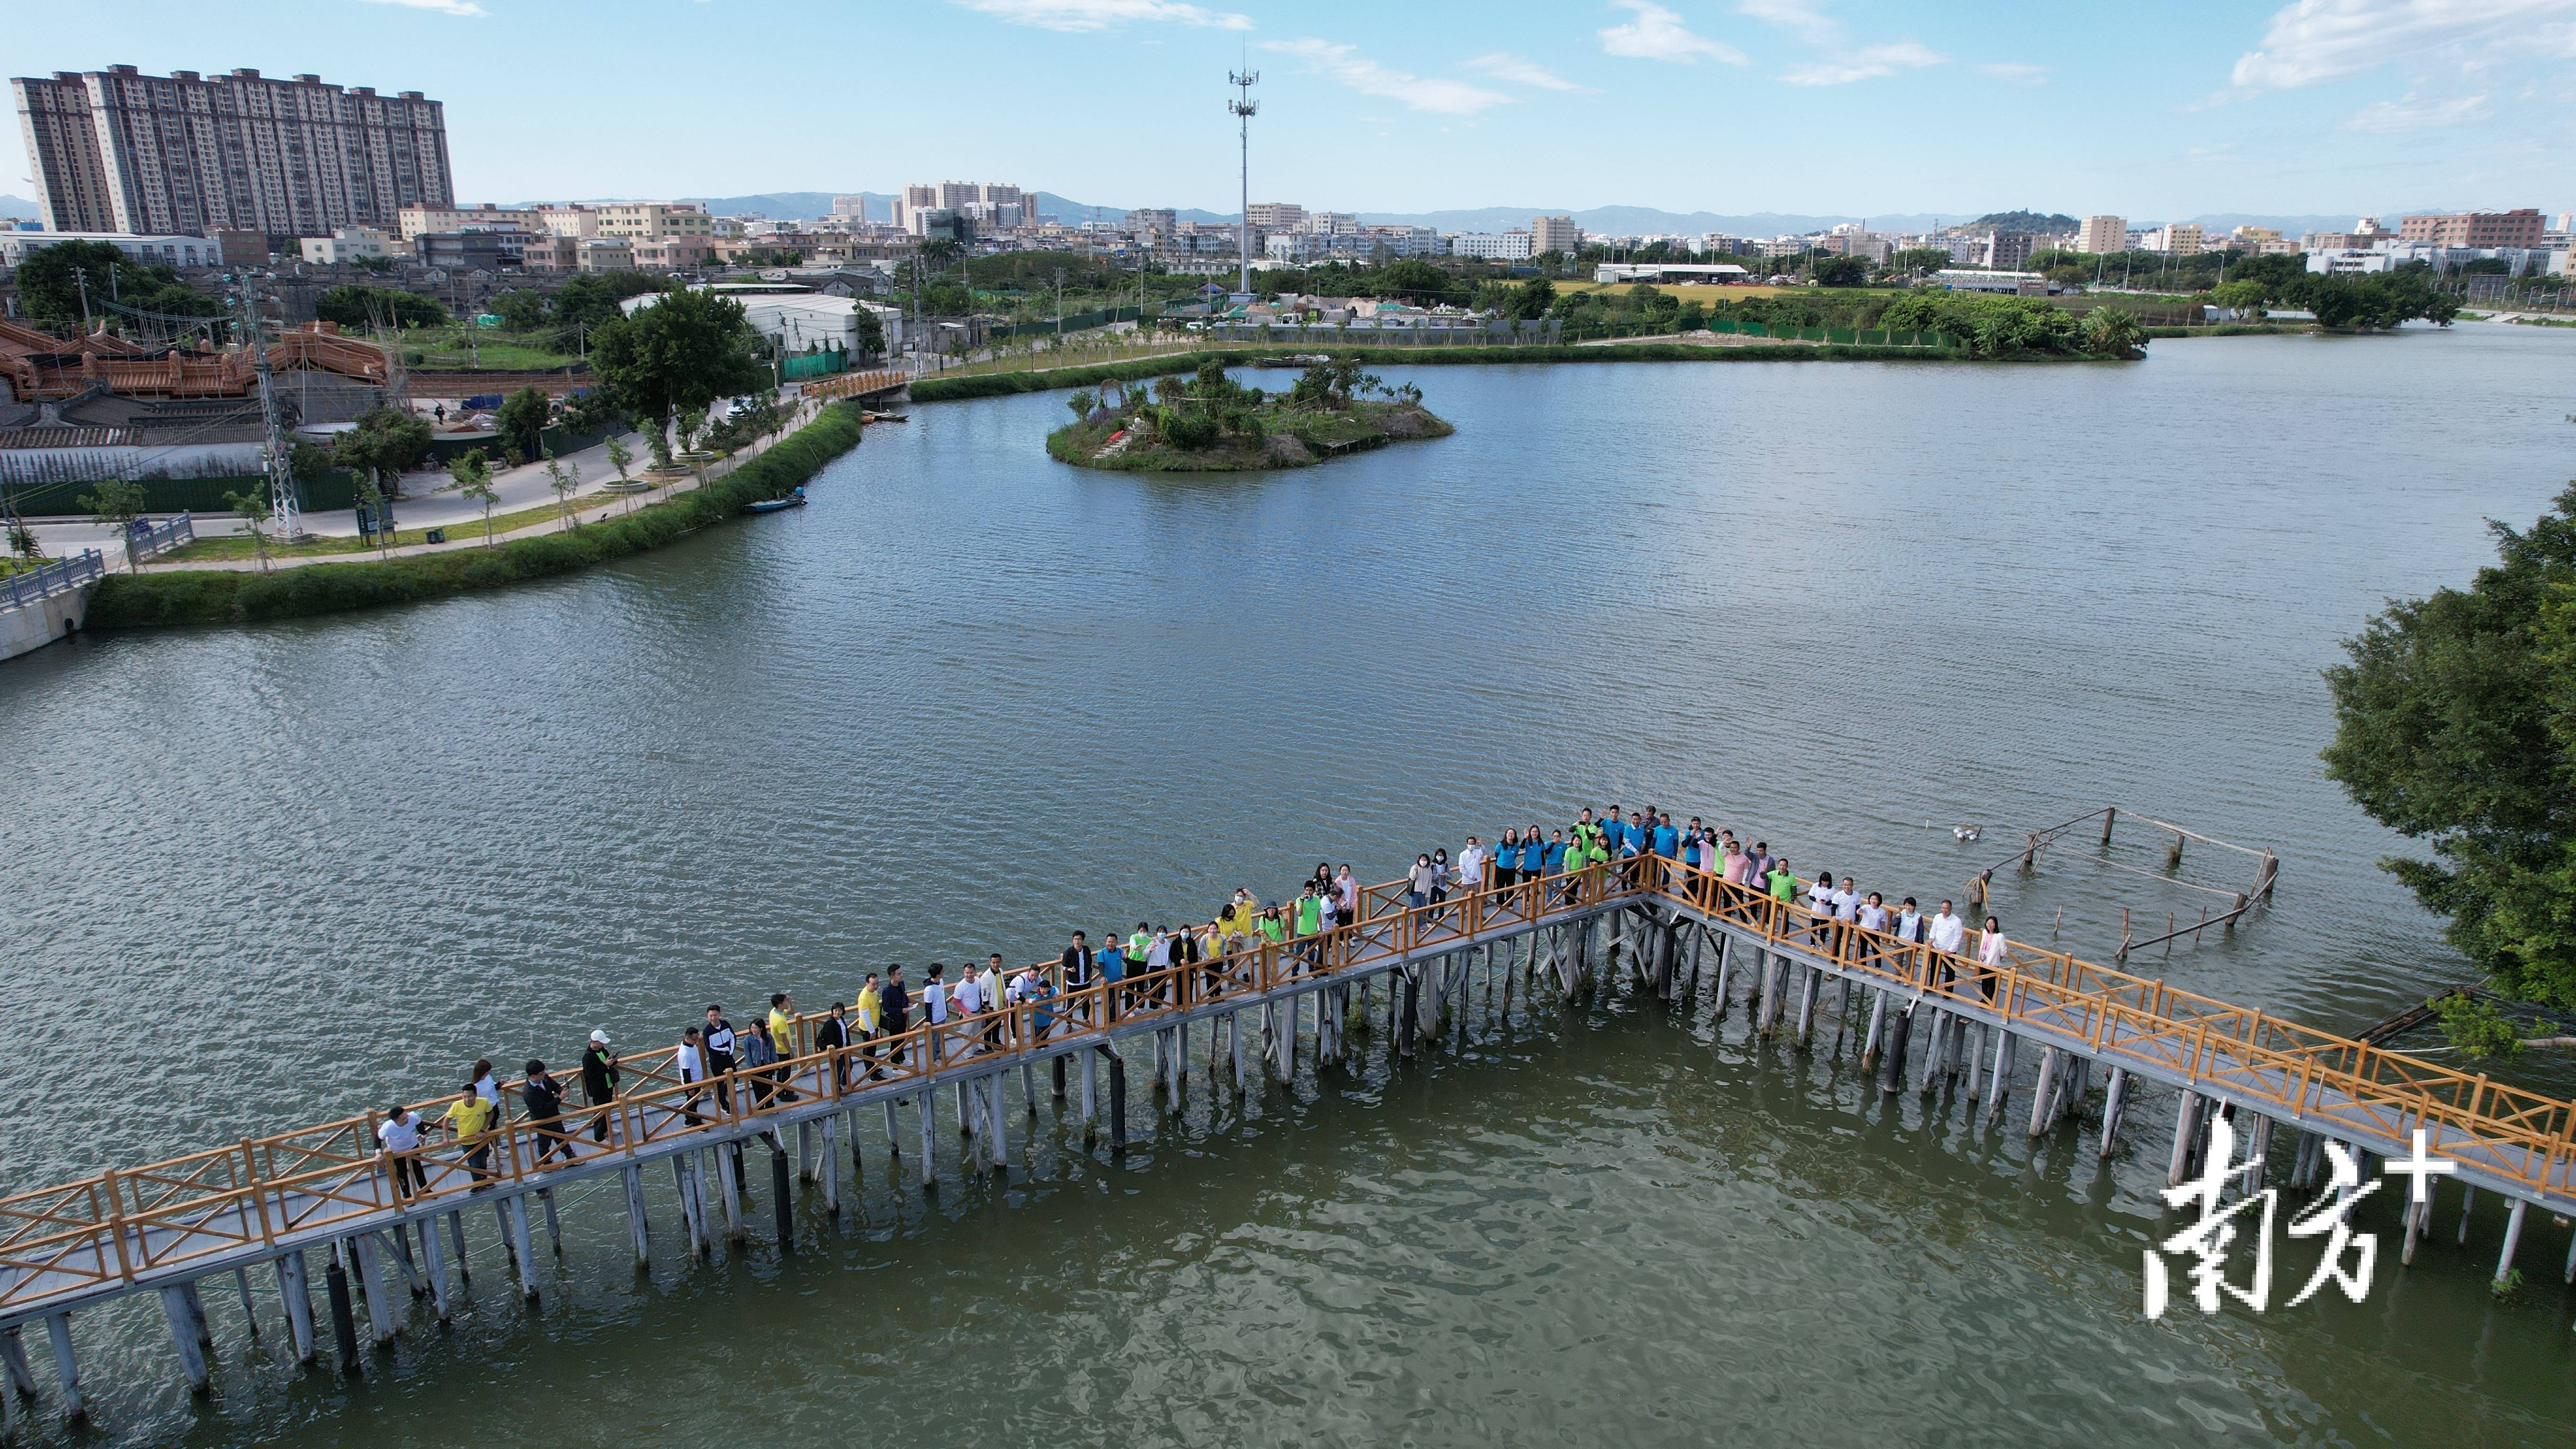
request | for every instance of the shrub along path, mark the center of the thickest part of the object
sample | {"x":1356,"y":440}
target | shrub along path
{"x":234,"y":591}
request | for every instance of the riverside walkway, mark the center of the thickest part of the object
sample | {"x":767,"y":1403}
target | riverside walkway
{"x":326,"y":1190}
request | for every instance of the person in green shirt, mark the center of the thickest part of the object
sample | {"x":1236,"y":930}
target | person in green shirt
{"x":1310,"y":922}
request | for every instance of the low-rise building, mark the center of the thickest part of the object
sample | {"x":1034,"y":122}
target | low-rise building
{"x":642,"y":221}
{"x":1510,"y":246}
{"x":607,"y":254}
{"x":347,"y":244}
{"x":468,"y":250}
{"x":2178,"y":238}
{"x":576,"y":221}
{"x":154,"y":251}
{"x":674,"y":253}
{"x":551,"y":253}
{"x":2520,"y":227}
{"x":418,"y":221}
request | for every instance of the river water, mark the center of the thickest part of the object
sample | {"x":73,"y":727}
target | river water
{"x":971,"y":698}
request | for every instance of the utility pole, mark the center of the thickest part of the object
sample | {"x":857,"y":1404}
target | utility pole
{"x":277,"y":455}
{"x":1243,"y":108}
{"x":1059,"y":309}
{"x":80,"y":279}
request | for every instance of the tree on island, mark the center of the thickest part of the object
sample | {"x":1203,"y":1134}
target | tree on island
{"x":682,"y":352}
{"x":2455,"y":724}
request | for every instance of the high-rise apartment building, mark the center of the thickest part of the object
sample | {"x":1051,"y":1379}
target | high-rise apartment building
{"x":120,"y":151}
{"x":1556,"y":234}
{"x":1160,"y":220}
{"x":912,"y":209}
{"x":2100,"y":235}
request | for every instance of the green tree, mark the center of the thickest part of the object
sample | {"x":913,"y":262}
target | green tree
{"x":1839,"y":271}
{"x":1416,"y":280}
{"x":867,"y":334}
{"x":1919,"y":259}
{"x":521,"y":310}
{"x":1531,"y":301}
{"x":521,"y":422}
{"x":1082,"y":402}
{"x":565,"y":480}
{"x":684,"y":351}
{"x":385,"y":444}
{"x":117,"y":501}
{"x":2245,"y":294}
{"x":52,"y":280}
{"x":255,"y":510}
{"x":358,"y":309}
{"x":474,"y":482}
{"x":2115,"y":332}
{"x":2455,"y":719}
{"x":620,"y":456}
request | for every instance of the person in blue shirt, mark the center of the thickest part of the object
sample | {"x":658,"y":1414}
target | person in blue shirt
{"x":1667,"y":841}
{"x":1632,"y":836}
{"x":1112,"y":961}
{"x":1533,"y":854}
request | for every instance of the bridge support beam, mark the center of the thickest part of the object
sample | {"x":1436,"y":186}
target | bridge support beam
{"x":1877,"y":1037}
{"x":831,"y":1164}
{"x":2468,"y":1205}
{"x":527,"y":1253}
{"x":1900,"y":1033}
{"x":434,"y":1267}
{"x":926,"y":1105}
{"x":729,"y":1187}
{"x":1807,"y":1004}
{"x":2258,"y":1157}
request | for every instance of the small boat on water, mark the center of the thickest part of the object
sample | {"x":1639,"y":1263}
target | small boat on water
{"x":889,"y":417}
{"x":772,"y":505}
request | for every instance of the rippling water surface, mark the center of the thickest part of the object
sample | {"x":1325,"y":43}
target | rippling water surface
{"x":971,"y":698}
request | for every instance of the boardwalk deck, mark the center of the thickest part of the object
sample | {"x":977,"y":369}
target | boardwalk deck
{"x":166,"y":1225}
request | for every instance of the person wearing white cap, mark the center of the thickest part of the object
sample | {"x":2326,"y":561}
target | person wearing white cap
{"x":599,"y":1082}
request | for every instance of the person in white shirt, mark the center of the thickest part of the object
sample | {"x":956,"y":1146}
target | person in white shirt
{"x":1845,"y":903}
{"x":1909,"y":922}
{"x":1348,"y":888}
{"x":1990,"y":954}
{"x":400,"y":1135}
{"x":1949,"y":933}
{"x":693,"y":1070}
{"x":1872,"y":914}
{"x":1471,"y":865}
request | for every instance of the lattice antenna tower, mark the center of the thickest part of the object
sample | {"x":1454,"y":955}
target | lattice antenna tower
{"x":1244,"y":107}
{"x":277,"y":455}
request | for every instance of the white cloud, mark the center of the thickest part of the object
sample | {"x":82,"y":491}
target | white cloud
{"x":1503,"y":66}
{"x":1074,"y":15}
{"x":2320,"y":40}
{"x":1798,"y":17}
{"x":1658,"y":34}
{"x":443,"y":7}
{"x":2020,"y":73}
{"x":1344,"y":63}
{"x":2390,"y":118}
{"x":1867,"y":63}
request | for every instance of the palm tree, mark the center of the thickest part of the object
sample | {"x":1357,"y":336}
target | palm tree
{"x":2115,"y":332}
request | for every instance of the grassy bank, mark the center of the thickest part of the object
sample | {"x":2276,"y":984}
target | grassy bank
{"x":225,"y":596}
{"x":2232,"y":329}
{"x":998,"y":384}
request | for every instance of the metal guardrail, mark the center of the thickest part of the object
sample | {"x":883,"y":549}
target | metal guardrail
{"x":146,"y":540}
{"x":59,"y":577}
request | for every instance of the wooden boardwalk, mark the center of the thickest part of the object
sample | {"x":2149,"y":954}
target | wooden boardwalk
{"x":269,"y":1201}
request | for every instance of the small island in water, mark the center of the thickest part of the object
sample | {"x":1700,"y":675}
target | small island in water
{"x":1210,"y":424}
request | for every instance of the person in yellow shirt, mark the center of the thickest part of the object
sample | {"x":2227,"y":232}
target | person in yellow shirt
{"x":469,"y":1124}
{"x":871,"y":1019}
{"x":782,"y":1040}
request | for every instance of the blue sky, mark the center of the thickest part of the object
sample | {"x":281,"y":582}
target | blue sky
{"x":1818,"y":106}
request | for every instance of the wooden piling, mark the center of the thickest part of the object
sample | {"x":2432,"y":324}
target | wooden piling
{"x":2114,"y":1098}
{"x":1877,"y":1037}
{"x":729,"y":1186}
{"x":371,"y":1280}
{"x":1117,"y":1102}
{"x":58,"y":1332}
{"x":2043,"y":1096}
{"x":2512,"y":1239}
{"x":782,"y":1197}
{"x":831,"y":1173}
{"x":2468,"y":1204}
{"x":344,"y":1320}
{"x":1807,"y":1004}
{"x":2258,"y":1155}
{"x":518,"y":1205}
{"x":292,"y":1291}
{"x":1999,"y":1087}
{"x":2186,"y":1126}
{"x":183,"y":1337}
{"x":926,"y":1102}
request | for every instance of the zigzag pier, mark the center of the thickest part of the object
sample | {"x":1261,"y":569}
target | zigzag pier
{"x":2024,"y":1035}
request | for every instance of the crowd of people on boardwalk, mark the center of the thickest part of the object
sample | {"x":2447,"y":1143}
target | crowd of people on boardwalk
{"x":876,"y":1032}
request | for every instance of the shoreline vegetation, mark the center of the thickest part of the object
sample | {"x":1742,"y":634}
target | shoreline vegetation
{"x":1211,"y":424}
{"x":229,"y":596}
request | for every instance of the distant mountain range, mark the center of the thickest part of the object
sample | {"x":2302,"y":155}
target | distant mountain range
{"x":1599,"y":220}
